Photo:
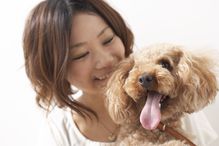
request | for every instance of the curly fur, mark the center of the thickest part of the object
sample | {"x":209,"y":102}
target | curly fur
{"x":189,"y":82}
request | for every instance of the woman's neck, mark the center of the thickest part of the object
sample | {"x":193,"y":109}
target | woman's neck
{"x":95,"y":102}
{"x":98,"y":130}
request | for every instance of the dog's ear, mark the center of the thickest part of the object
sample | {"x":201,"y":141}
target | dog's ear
{"x":118,"y":102}
{"x":199,"y":81}
{"x":175,"y":54}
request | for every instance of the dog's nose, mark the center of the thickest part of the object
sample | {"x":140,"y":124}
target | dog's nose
{"x":146,"y":80}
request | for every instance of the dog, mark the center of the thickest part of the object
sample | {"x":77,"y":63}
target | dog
{"x":154,"y":88}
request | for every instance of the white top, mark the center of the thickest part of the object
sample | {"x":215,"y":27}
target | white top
{"x":62,"y":130}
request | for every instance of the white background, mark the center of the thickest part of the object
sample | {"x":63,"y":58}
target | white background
{"x":193,"y":23}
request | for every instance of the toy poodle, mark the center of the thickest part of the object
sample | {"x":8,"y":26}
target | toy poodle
{"x":152,"y":90}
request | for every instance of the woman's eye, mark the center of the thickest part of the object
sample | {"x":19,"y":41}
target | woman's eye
{"x":80,"y":56}
{"x":108,"y":40}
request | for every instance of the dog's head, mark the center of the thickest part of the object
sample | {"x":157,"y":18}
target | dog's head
{"x":158,"y":83}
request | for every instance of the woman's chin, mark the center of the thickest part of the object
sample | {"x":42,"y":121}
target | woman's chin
{"x":101,"y":84}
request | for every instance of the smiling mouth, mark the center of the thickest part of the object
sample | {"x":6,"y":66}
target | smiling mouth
{"x":101,"y":81}
{"x":103,"y":77}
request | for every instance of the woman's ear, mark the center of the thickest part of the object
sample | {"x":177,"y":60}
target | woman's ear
{"x":118,"y":102}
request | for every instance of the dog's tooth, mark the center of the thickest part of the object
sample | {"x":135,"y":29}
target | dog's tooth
{"x":159,"y":105}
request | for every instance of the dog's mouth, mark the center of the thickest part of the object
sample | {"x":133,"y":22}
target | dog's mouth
{"x":151,"y":113}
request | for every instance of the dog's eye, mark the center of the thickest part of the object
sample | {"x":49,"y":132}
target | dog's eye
{"x":165,"y":64}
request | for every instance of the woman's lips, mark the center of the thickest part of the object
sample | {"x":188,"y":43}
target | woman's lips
{"x":102,"y":79}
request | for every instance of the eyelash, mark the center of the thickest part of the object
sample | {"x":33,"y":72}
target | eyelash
{"x":80,"y":57}
{"x":108,"y":40}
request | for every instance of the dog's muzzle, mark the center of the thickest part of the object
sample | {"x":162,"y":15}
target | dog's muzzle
{"x":147,"y":81}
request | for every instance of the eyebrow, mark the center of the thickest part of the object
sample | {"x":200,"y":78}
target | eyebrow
{"x":102,"y":31}
{"x":82,"y":43}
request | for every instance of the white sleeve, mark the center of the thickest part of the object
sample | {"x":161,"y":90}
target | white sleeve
{"x":55,"y":130}
{"x":198,"y":125}
{"x":60,"y":129}
{"x":45,"y":137}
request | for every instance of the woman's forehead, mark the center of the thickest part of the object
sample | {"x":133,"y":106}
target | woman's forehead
{"x":87,"y":26}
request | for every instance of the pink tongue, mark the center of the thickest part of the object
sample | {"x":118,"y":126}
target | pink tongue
{"x":150,"y":114}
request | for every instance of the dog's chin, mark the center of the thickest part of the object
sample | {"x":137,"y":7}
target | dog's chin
{"x":170,"y":109}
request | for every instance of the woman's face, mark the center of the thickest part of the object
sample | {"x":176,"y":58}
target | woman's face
{"x":95,"y":51}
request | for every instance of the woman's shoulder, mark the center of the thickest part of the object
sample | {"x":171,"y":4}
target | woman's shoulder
{"x":58,"y":115}
{"x":62,"y":127}
{"x":53,"y":130}
{"x":65,"y":131}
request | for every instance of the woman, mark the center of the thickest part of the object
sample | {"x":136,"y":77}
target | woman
{"x":75,"y":43}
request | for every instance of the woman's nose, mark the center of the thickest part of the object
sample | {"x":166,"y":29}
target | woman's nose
{"x":104,"y":59}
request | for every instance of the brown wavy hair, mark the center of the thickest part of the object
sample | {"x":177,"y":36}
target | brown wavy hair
{"x":46,"y":43}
